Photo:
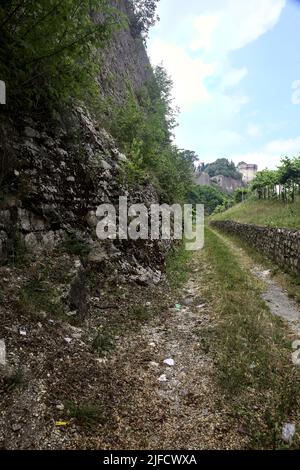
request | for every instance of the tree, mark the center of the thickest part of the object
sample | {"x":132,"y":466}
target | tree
{"x":144,"y":16}
{"x":222,"y":166}
{"x":210,"y":196}
{"x":48,"y":47}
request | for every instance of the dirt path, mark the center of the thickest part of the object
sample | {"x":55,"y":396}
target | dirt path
{"x":278,"y":300}
{"x":176,"y":405}
{"x":276,"y":297}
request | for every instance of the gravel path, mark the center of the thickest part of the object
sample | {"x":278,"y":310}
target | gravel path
{"x":173,"y":406}
{"x":278,"y":300}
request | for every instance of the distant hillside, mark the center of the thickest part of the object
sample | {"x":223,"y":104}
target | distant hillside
{"x":222,"y":166}
{"x":222,"y":174}
{"x":264,"y":212}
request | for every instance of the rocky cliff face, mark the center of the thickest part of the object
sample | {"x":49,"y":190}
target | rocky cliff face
{"x":226,"y":183}
{"x":56,"y":170}
{"x":124,"y":63}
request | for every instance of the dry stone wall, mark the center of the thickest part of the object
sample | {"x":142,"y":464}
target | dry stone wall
{"x":279,"y":244}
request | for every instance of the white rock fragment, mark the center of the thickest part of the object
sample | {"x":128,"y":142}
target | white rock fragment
{"x":67,"y":339}
{"x":153,"y":364}
{"x":162,"y":378}
{"x":22,"y":331}
{"x":169,"y":362}
{"x":2,"y":352}
{"x":288,"y":431}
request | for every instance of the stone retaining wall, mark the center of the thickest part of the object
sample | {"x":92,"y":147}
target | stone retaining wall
{"x":279,"y":244}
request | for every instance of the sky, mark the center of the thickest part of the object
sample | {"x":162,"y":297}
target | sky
{"x":235,"y":66}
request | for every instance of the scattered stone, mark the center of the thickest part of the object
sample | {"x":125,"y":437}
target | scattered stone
{"x":16,"y":427}
{"x":153,"y":364}
{"x":162,"y":378}
{"x":2,"y":352}
{"x":201,"y":306}
{"x":288,"y":431}
{"x":187,"y":302}
{"x":242,"y":430}
{"x":67,"y":339}
{"x":71,"y":314}
{"x":77,"y":263}
{"x":106,"y":166}
{"x":152,"y":344}
{"x":147,"y":276}
{"x":22,"y":331}
{"x":60,"y":406}
{"x":71,"y":179}
{"x":97,"y":255}
{"x":31,"y":133}
{"x":169,"y":362}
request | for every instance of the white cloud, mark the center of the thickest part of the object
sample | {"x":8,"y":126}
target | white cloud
{"x":271,"y":153}
{"x":236,"y":23}
{"x":253,"y":130}
{"x":284,"y":146}
{"x":229,"y":138}
{"x":188,"y":73}
{"x":296,"y":93}
{"x":233,"y":77}
{"x":204,"y":27}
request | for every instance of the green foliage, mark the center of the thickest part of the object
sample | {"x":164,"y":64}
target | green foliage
{"x":86,"y":413}
{"x":145,"y":16}
{"x":282,"y":183}
{"x":251,"y":349}
{"x":177,"y":266}
{"x":15,"y":248}
{"x":38,"y":296}
{"x":48,"y":48}
{"x":143,"y":127}
{"x":104,"y":340}
{"x":240,"y":194}
{"x":14,"y":380}
{"x":210,"y":196}
{"x":75,"y":245}
{"x":271,"y":213}
{"x":222,"y":166}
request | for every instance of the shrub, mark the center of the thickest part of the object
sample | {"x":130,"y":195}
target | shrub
{"x":48,"y":48}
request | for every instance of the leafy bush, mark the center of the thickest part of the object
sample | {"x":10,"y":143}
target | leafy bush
{"x":240,"y":194}
{"x":210,"y":196}
{"x":143,"y":127}
{"x":48,"y":48}
{"x":282,"y":183}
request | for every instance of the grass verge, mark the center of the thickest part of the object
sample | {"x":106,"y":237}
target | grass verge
{"x":177,"y":267}
{"x":267,"y":213}
{"x":252,"y":350}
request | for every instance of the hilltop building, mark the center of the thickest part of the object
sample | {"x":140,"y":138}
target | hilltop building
{"x":248,"y":170}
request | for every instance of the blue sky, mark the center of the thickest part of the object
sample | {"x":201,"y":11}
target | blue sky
{"x":235,"y":65}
